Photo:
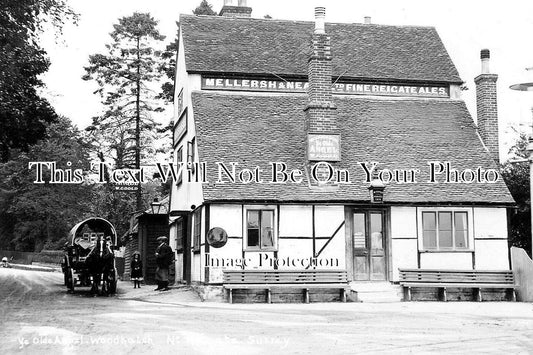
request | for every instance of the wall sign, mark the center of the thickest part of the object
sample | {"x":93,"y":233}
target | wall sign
{"x":342,"y":88}
{"x":180,"y":128}
{"x":323,"y":147}
{"x":217,"y":237}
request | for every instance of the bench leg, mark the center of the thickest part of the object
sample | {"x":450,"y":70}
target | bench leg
{"x":511,"y":295}
{"x":478,"y":294}
{"x":343,"y":295}
{"x":230,"y":295}
{"x":306,"y":295}
{"x":269,"y":296}
{"x":443,"y":297}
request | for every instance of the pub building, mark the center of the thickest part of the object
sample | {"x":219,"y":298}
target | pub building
{"x":313,"y":145}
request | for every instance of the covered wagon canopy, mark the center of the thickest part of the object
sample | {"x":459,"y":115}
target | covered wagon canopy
{"x":86,"y":232}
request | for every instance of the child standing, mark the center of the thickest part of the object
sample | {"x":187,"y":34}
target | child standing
{"x":136,"y":270}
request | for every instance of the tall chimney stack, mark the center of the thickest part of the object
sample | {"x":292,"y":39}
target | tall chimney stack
{"x":323,"y":136}
{"x":240,"y":10}
{"x":320,"y":108}
{"x":487,"y":108}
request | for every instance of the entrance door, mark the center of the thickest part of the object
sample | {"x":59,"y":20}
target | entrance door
{"x":369,"y":245}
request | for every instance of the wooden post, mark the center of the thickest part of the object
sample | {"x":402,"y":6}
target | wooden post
{"x":269,"y":296}
{"x":478,"y":294}
{"x":230,"y":295}
{"x":343,"y":295}
{"x":306,"y":295}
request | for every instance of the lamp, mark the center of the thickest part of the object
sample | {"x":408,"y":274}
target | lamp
{"x":377,"y":188}
{"x":155,"y":206}
{"x":528,"y":86}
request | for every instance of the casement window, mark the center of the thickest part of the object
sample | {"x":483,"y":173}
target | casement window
{"x":179,"y":159}
{"x":445,"y":230}
{"x":179,"y":234}
{"x":260,"y":229}
{"x":197,"y":235}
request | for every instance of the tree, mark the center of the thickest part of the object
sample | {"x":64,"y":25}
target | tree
{"x":34,"y":216}
{"x":24,"y":115}
{"x":205,"y":8}
{"x":516,"y":176}
{"x":125,"y":76}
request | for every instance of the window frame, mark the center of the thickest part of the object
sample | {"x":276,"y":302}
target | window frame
{"x":260,"y":248}
{"x":468,"y":238}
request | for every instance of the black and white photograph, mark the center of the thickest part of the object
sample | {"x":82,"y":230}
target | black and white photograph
{"x":261,"y":177}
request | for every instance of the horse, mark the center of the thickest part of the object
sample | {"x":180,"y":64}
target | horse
{"x":100,"y":264}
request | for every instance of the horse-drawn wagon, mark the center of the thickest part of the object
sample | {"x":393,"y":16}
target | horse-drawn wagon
{"x":89,"y":259}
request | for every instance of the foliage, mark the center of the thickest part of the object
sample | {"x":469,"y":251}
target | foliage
{"x":24,"y":115}
{"x":35,"y":216}
{"x":516,"y":176}
{"x":126,"y":76}
{"x":205,"y":8}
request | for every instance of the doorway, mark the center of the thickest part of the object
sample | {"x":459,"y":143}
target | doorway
{"x":369,"y":245}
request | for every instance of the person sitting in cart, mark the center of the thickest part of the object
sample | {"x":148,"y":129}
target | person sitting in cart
{"x":136,"y":270}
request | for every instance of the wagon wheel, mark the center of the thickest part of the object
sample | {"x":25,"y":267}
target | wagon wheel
{"x":69,"y":279}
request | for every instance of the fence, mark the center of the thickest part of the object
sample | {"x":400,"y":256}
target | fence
{"x":27,"y":258}
{"x":523,"y":273}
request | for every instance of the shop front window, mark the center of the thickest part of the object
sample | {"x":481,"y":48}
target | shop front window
{"x":445,"y":230}
{"x":260,"y":231}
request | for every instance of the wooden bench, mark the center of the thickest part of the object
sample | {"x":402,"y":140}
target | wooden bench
{"x":268,"y":279}
{"x":441,"y":279}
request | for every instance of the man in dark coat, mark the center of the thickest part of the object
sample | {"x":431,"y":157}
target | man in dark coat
{"x":163,"y":258}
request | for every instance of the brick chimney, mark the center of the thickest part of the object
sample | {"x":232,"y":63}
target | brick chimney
{"x":323,"y":136}
{"x":231,"y":10}
{"x":487,"y":108}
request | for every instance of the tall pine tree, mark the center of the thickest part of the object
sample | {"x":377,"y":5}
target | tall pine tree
{"x":125,"y":76}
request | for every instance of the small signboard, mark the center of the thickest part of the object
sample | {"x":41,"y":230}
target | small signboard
{"x":323,"y":147}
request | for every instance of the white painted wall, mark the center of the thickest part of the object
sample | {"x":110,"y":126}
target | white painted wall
{"x":186,"y":194}
{"x":446,"y":260}
{"x":490,"y":222}
{"x":404,"y":240}
{"x":404,"y":256}
{"x":327,"y":220}
{"x":403,"y":222}
{"x":490,"y":232}
{"x":492,"y":255}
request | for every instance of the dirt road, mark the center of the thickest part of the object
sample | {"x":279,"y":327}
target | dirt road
{"x":39,"y":317}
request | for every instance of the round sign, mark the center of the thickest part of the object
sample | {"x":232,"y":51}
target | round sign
{"x":217,"y":237}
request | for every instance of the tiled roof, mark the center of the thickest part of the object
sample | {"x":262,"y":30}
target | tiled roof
{"x":400,"y":134}
{"x":258,"y":46}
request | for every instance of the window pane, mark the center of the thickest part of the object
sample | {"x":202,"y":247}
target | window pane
{"x":445,"y":239}
{"x":267,"y":228}
{"x":460,"y":239}
{"x":428,"y":221}
{"x":253,"y":219}
{"x":460,"y":221}
{"x":253,"y":237}
{"x":376,"y":235}
{"x":430,"y":239}
{"x":445,"y":221}
{"x":359,"y":230}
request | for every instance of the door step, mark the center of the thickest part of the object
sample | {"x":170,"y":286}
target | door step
{"x":376,"y":292}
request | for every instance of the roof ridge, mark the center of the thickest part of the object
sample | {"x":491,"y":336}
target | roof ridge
{"x":228,"y":18}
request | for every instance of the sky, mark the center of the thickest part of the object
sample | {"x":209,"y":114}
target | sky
{"x":465,"y":27}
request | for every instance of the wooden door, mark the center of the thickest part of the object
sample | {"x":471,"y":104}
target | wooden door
{"x":368,"y":235}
